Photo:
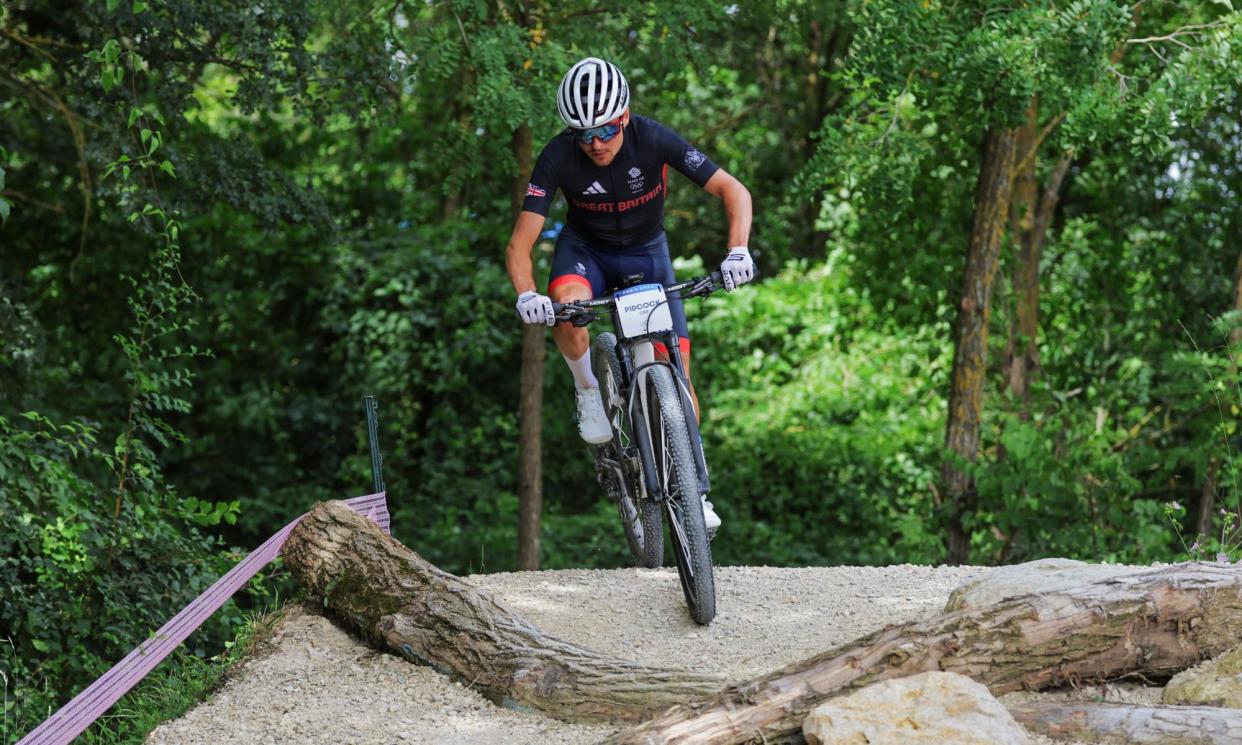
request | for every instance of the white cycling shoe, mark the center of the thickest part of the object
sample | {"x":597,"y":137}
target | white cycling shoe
{"x":592,"y":421}
{"x":710,"y":519}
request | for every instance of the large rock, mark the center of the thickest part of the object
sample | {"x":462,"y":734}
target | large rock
{"x":926,"y":709}
{"x":1217,"y":682}
{"x":1044,"y":575}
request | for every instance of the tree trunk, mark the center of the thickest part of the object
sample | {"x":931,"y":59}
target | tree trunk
{"x":825,"y":49}
{"x":1021,"y":355}
{"x":1132,"y":725}
{"x":1207,"y":500}
{"x":1155,"y":623}
{"x":530,"y":404}
{"x":1022,"y":351}
{"x":970,"y":353}
{"x":395,"y":598}
{"x":1235,"y":336}
{"x":530,"y":445}
{"x":1031,"y":212}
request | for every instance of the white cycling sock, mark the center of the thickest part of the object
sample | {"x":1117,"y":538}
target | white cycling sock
{"x":581,"y":368}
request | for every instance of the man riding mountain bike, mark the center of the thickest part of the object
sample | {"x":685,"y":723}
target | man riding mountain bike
{"x":612,"y":167}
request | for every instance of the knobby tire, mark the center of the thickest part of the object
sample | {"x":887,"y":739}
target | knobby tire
{"x":674,"y":461}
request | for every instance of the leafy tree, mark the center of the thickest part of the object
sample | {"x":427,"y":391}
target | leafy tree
{"x":935,"y":76}
{"x":104,"y":547}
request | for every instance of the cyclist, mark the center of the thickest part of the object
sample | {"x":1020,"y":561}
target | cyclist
{"x":612,"y":167}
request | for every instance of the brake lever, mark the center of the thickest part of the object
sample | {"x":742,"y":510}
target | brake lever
{"x":703,"y":286}
{"x":575,"y":314}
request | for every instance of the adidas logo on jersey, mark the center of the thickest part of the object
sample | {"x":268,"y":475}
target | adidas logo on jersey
{"x":594,"y":188}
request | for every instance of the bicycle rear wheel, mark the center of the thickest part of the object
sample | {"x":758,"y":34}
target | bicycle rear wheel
{"x":618,"y":460}
{"x":674,"y":462}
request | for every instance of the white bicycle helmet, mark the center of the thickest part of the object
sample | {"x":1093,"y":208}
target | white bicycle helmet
{"x":592,"y":93}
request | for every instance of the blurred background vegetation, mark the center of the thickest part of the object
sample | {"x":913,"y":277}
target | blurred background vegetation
{"x":1001,"y":277}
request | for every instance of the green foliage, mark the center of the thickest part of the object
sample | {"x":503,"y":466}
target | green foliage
{"x":822,"y":424}
{"x":1061,"y":489}
{"x":83,"y":580}
{"x":925,"y":76}
{"x":334,"y":182}
{"x":414,"y":315}
{"x":174,"y":687}
{"x":1087,"y":481}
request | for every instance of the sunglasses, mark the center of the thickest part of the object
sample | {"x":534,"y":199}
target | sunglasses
{"x":605,"y":132}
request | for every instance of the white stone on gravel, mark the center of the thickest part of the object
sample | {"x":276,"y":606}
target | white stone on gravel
{"x":926,"y":709}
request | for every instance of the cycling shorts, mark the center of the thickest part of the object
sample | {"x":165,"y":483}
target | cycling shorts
{"x":574,"y":260}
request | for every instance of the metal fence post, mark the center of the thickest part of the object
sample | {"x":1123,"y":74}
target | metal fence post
{"x":377,"y":462}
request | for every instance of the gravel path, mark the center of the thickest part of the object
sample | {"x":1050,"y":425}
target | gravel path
{"x":312,"y":682}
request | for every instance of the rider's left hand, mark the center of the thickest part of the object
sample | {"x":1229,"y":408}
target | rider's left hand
{"x":738,"y":268}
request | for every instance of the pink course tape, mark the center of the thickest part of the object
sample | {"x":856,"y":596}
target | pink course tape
{"x":74,"y":717}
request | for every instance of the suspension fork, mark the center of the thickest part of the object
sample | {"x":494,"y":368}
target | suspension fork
{"x":643,"y":357}
{"x":692,"y":422}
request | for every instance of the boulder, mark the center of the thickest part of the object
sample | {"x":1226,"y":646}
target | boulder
{"x":1216,"y":682}
{"x":926,"y":709}
{"x":1044,"y":575}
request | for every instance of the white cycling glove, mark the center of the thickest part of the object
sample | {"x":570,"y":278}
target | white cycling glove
{"x":738,"y":268}
{"x":535,"y":308}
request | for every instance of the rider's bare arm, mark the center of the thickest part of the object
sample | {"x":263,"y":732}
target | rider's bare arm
{"x":737,"y":206}
{"x":517,"y":253}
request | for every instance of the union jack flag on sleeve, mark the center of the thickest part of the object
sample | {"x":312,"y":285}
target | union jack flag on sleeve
{"x":535,"y":191}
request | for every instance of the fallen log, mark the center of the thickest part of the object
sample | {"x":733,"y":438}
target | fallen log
{"x":395,"y":598}
{"x":1126,"y":724}
{"x":1154,"y":623}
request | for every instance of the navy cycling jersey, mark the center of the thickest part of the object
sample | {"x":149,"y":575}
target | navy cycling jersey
{"x":621,"y":204}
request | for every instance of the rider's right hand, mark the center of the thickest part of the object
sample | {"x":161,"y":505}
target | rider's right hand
{"x":535,"y":308}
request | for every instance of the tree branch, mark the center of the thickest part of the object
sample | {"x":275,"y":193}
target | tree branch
{"x":1039,"y":140}
{"x":9,"y":193}
{"x":1192,"y":30}
{"x":1052,"y":194}
{"x":44,"y":41}
{"x":580,"y":13}
{"x":86,"y":183}
{"x":26,"y":42}
{"x":1135,"y":725}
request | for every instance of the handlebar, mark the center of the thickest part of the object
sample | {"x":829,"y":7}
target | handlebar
{"x":583,"y":312}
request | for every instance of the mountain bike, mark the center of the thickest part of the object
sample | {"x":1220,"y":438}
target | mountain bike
{"x":653,"y":467}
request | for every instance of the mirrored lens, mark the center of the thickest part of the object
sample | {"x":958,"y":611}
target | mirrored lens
{"x":604,"y":132}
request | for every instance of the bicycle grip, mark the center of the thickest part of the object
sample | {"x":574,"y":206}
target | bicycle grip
{"x":556,"y":308}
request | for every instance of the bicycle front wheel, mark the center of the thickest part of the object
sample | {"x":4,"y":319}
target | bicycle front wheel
{"x":674,"y":463}
{"x":640,"y":516}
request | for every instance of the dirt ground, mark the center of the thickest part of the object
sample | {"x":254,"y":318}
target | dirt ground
{"x":313,"y":682}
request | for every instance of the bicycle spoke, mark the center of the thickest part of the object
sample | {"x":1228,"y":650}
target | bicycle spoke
{"x":680,"y":543}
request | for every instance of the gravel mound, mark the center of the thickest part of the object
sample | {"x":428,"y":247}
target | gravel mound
{"x":312,"y":682}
